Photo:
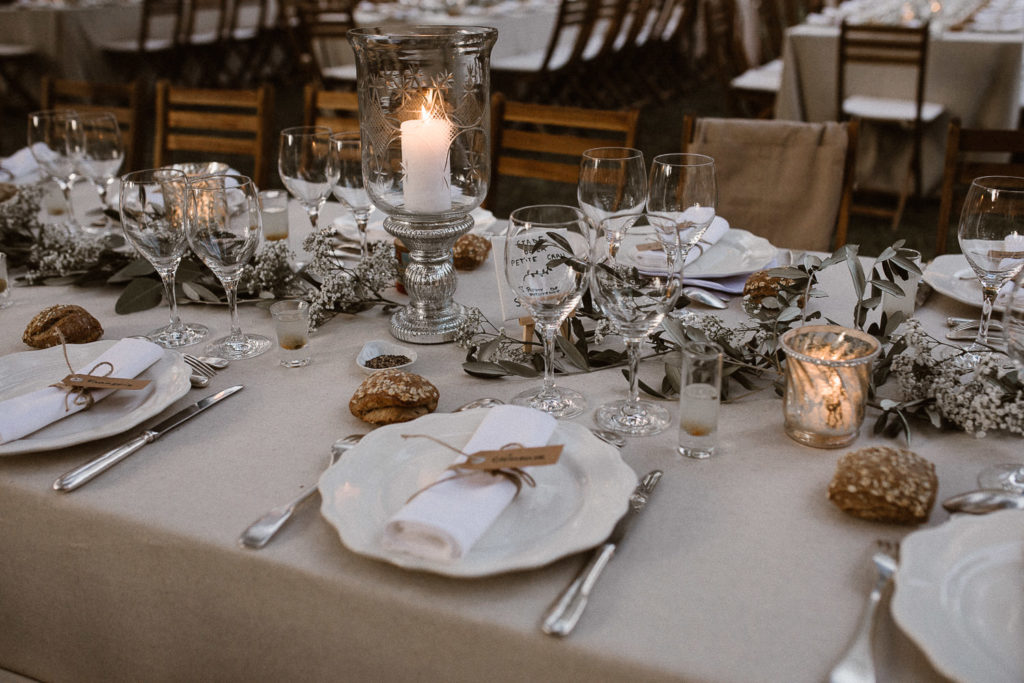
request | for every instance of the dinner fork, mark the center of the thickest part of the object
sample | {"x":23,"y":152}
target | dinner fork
{"x":202,"y":367}
{"x":858,"y":664}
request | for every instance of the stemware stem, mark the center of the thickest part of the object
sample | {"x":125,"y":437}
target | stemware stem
{"x":167,"y":277}
{"x":632,"y":406}
{"x":361,"y":223}
{"x":314,"y":215}
{"x":548,"y":333}
{"x":231,"y":290}
{"x":988,"y":301}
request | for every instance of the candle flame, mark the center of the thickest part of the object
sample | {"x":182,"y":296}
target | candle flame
{"x":424,"y":115}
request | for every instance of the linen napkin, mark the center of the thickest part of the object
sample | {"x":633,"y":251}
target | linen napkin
{"x":444,"y":521}
{"x":655,"y":258}
{"x":21,"y":163}
{"x":22,"y":415}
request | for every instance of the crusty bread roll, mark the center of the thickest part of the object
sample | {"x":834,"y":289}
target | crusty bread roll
{"x":470,"y":251}
{"x":74,"y":322}
{"x":390,"y":396}
{"x":884,"y":484}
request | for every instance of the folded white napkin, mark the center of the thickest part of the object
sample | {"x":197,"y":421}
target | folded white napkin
{"x":22,"y":415}
{"x":21,"y":163}
{"x":444,"y":521}
{"x":656,"y":259}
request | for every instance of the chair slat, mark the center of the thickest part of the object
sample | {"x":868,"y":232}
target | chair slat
{"x":213,"y":121}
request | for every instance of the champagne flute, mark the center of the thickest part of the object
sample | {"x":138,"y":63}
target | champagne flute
{"x":153,"y":207}
{"x":546,"y":253}
{"x":306,"y":166}
{"x":55,"y":140}
{"x":683,"y":188}
{"x":347,"y":148}
{"x":636,"y":277}
{"x":991,"y":236}
{"x":102,"y":152}
{"x":1010,"y":477}
{"x":612,"y":184}
{"x":224,"y":229}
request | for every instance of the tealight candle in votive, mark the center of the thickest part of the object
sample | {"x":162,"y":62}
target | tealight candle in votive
{"x":828,"y":373}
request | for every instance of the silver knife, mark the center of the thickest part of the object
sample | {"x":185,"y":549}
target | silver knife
{"x":78,"y":476}
{"x":566,"y":611}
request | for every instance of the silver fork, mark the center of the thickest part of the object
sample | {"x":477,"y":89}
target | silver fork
{"x":203,"y":368}
{"x":858,"y":664}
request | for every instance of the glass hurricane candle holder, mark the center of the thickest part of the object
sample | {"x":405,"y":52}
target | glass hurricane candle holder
{"x":828,"y":373}
{"x":424,"y":113}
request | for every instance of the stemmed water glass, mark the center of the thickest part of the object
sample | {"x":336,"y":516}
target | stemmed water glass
{"x":546,"y":255}
{"x":636,"y":277}
{"x":102,"y":152}
{"x":991,"y":236}
{"x":55,"y":140}
{"x":224,"y":229}
{"x":612,"y":184}
{"x":306,"y":166}
{"x":347,"y":148}
{"x":683,"y":188}
{"x":153,"y":207}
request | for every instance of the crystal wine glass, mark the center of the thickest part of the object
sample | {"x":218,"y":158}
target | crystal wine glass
{"x":991,"y":236}
{"x":612,"y":184}
{"x":306,"y":166}
{"x":153,"y":207}
{"x":1010,"y":477}
{"x":55,"y":140}
{"x":224,"y":229}
{"x":683,"y":188}
{"x":546,"y":255}
{"x":102,"y":152}
{"x":347,"y":148}
{"x":635,"y":277}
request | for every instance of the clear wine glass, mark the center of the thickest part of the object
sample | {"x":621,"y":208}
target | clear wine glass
{"x":636,"y":277}
{"x":1010,"y":477}
{"x":224,"y":229}
{"x":991,"y":236}
{"x":102,"y":152}
{"x":546,"y":256}
{"x":306,"y":166}
{"x":55,"y":140}
{"x":153,"y":207}
{"x":683,"y":188}
{"x":347,"y":148}
{"x":612,"y":184}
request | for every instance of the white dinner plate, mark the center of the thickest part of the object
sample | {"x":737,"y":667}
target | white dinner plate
{"x":21,"y":373}
{"x":960,"y":596}
{"x":738,"y":252}
{"x":346,"y":224}
{"x":574,"y":506}
{"x":944,"y":276}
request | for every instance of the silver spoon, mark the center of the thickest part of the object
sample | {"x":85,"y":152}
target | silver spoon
{"x":219,"y":363}
{"x":198,"y":381}
{"x":264,"y":528}
{"x":983,"y":501}
{"x":701,"y":296}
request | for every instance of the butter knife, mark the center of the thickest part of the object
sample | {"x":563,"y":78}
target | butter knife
{"x":567,"y":609}
{"x":80,"y":475}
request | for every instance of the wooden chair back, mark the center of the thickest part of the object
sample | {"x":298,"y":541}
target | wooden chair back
{"x":161,"y":24}
{"x":545,"y":142}
{"x":211,"y":122}
{"x":728,"y":56}
{"x":770,"y":29}
{"x":204,"y":22}
{"x":123,"y":100}
{"x":320,"y":22}
{"x":574,"y":23}
{"x":336,"y":109}
{"x":972,"y":153}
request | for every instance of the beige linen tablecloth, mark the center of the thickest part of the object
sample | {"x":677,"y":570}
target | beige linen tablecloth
{"x":740,"y":569}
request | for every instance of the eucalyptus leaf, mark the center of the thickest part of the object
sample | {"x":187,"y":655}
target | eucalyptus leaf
{"x":518,"y":369}
{"x":197,"y":292}
{"x":788,"y":272}
{"x":572,"y":353}
{"x":141,"y":294}
{"x":674,"y":377}
{"x":137,"y":268}
{"x":484,"y":370}
{"x":675,"y":330}
{"x":60,"y":281}
{"x":857,"y":275}
{"x":907,"y":265}
{"x":886,"y":286}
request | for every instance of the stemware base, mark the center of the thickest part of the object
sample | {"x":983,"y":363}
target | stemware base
{"x":175,"y":337}
{"x":645,"y":419}
{"x":238,"y":347}
{"x":1004,"y":477}
{"x":558,"y":402}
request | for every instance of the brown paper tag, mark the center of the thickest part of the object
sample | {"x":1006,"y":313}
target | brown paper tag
{"x":80,"y":381}
{"x":512,"y":457}
{"x":650,"y":246}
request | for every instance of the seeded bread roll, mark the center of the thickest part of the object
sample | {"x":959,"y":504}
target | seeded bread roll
{"x":471,"y":251}
{"x":74,"y":322}
{"x":391,"y":396}
{"x":884,"y":484}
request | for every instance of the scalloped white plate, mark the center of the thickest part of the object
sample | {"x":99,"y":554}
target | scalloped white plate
{"x":574,"y":506}
{"x":27,"y":371}
{"x":960,"y":596}
{"x":738,"y":253}
{"x":943,"y":274}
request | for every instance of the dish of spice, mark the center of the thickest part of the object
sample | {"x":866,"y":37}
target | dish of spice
{"x":388,"y":360}
{"x":381,"y":354}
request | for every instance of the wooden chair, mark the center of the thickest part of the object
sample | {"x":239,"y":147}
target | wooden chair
{"x":123,"y":100}
{"x":336,"y":109}
{"x":156,"y":46}
{"x":899,"y":47}
{"x":750,"y":92}
{"x":321,"y":31}
{"x":790,"y":182}
{"x":970,"y":154}
{"x":211,"y":122}
{"x":545,"y":142}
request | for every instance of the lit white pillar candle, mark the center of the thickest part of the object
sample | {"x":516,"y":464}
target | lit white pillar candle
{"x":427,"y":166}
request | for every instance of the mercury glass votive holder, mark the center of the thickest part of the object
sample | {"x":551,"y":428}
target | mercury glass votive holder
{"x":828,"y":376}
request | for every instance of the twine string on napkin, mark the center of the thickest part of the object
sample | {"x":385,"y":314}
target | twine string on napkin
{"x":515,"y":475}
{"x":79,"y":396}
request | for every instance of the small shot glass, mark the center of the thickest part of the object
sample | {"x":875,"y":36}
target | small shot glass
{"x":291,"y":322}
{"x":274,"y":209}
{"x":5,"y":282}
{"x":701,"y":385}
